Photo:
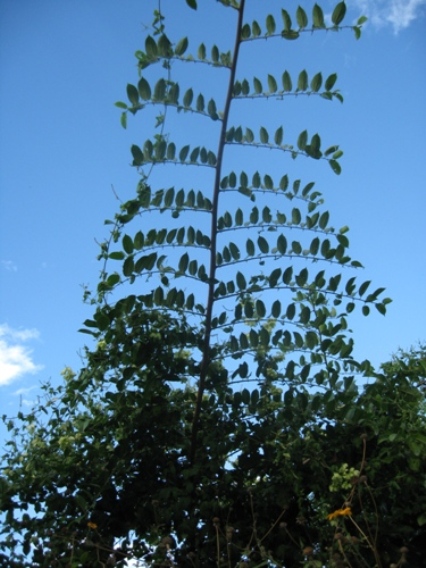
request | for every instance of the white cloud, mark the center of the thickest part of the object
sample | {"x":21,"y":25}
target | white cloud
{"x":397,"y":13}
{"x":9,"y":265}
{"x":16,"y":358}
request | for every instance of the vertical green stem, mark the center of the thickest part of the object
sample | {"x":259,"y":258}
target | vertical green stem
{"x":213,"y":238}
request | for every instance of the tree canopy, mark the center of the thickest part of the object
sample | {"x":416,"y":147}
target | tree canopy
{"x":220,"y":419}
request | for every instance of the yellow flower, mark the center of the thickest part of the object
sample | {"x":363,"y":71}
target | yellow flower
{"x":340,"y":513}
{"x":92,"y":525}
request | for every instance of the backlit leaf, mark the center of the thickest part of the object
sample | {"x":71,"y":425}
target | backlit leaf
{"x":316,"y":82}
{"x":132,"y":94}
{"x":330,"y":81}
{"x":144,"y":89}
{"x":272,"y":84}
{"x":302,"y":81}
{"x":278,"y":138}
{"x":286,"y":20}
{"x":287,"y":83}
{"x":338,"y":13}
{"x":318,"y":17}
{"x":270,"y":24}
{"x":263,"y":244}
{"x":301,"y":17}
{"x":264,"y":136}
{"x":181,"y":46}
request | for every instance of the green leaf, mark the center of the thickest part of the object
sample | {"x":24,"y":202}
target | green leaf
{"x":200,"y":103}
{"x":181,"y":46}
{"x":151,"y":47}
{"x":276,"y":309}
{"x":263,"y":244}
{"x":357,"y":32}
{"x":314,"y":147}
{"x":173,"y":94}
{"x":245,"y":31}
{"x":274,"y":277}
{"x":192,"y":4}
{"x":318,"y":17}
{"x":257,"y":85}
{"x":338,"y":13}
{"x":165,"y":46}
{"x":272,"y":84}
{"x":284,"y":182}
{"x":302,"y":140}
{"x":282,"y":244}
{"x":132,"y":94}
{"x":381,"y":308}
{"x":241,"y":281}
{"x":137,"y":155}
{"x":238,"y":134}
{"x":211,"y":109}
{"x":188,"y":97}
{"x":278,"y":138}
{"x":138,"y":241}
{"x":201,"y":51}
{"x":250,"y":248}
{"x":316,"y":82}
{"x":256,"y":180}
{"x":234,"y":250}
{"x":249,"y":135}
{"x":305,"y":315}
{"x":148,"y":148}
{"x":245,"y":87}
{"x":254,"y":338}
{"x":302,"y":277}
{"x":183,"y":262}
{"x":160,"y":90}
{"x":313,"y":249}
{"x":335,"y":166}
{"x":171,"y":151}
{"x":144,"y":89}
{"x":296,"y":216}
{"x":268,"y":182}
{"x":291,"y":311}
{"x":116,"y":255}
{"x":302,"y":81}
{"x":363,"y":287}
{"x":286,"y":20}
{"x":301,"y":17}
{"x":215,"y":54}
{"x":296,"y":247}
{"x":128,"y":266}
{"x":111,"y":281}
{"x":293,"y":34}
{"x":264,"y":136}
{"x":288,"y":275}
{"x":255,"y":29}
{"x":270,"y":24}
{"x":286,"y":81}
{"x":330,"y":81}
{"x":260,"y":309}
{"x":183,"y":153}
{"x":128,"y":244}
{"x":243,"y":179}
{"x":323,"y":220}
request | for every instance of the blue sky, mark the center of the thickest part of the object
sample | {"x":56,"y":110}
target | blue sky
{"x":64,"y":64}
